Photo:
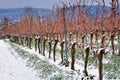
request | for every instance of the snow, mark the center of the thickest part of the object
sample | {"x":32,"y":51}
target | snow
{"x":12,"y":67}
{"x":79,"y":65}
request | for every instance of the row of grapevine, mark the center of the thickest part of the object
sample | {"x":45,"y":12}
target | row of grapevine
{"x":101,"y":34}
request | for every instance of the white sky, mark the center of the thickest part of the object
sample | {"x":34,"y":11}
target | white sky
{"x":33,"y":3}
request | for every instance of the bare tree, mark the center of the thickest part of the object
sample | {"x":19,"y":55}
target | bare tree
{"x":29,"y":15}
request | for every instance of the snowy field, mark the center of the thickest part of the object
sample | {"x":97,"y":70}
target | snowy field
{"x":12,"y":67}
{"x":20,"y":63}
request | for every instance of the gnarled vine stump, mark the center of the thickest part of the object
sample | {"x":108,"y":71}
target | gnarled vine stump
{"x":62,"y":46}
{"x":73,"y":56}
{"x":54,"y":49}
{"x":100,"y":58}
{"x":86,"y":61}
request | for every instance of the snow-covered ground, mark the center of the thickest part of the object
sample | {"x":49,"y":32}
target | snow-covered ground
{"x":12,"y":67}
{"x":21,"y":63}
{"x":61,"y":71}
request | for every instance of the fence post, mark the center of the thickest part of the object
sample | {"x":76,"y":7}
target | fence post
{"x":62,"y":46}
{"x":86,"y":61}
{"x":54,"y":48}
{"x":73,"y":56}
{"x":100,"y":58}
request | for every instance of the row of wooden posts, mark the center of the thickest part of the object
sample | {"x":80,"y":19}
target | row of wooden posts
{"x":41,"y":40}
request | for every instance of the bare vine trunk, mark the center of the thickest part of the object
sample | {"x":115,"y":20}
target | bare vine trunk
{"x":30,"y":42}
{"x":27,"y":41}
{"x":100,"y":57}
{"x":73,"y":56}
{"x":62,"y":46}
{"x":50,"y":47}
{"x":96,"y":35}
{"x":103,"y":41}
{"x":54,"y":49}
{"x":112,"y":43}
{"x":91,"y":38}
{"x":44,"y":42}
{"x":86,"y":61}
{"x":21,"y":40}
{"x":39,"y":40}
{"x":83,"y":40}
{"x":36,"y":44}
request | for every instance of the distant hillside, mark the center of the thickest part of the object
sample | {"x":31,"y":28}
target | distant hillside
{"x":16,"y":14}
{"x":91,"y":10}
{"x":94,"y":9}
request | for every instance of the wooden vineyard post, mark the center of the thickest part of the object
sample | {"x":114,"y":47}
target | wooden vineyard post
{"x":30,"y":41}
{"x":54,"y":49}
{"x":70,"y":36}
{"x":86,"y":61}
{"x":44,"y":42}
{"x":83,"y":40}
{"x":100,"y":58}
{"x":103,"y":31}
{"x":21,"y":40}
{"x":73,"y":56}
{"x":39,"y":40}
{"x":13,"y":37}
{"x":65,"y":32}
{"x":112,"y":42}
{"x":62,"y":46}
{"x":61,"y":36}
{"x":119,"y":39}
{"x":16,"y":39}
{"x":91,"y":38}
{"x":96,"y":35}
{"x":50,"y":47}
{"x":103,"y":41}
{"x":77,"y":33}
{"x":26,"y":41}
{"x":36,"y":44}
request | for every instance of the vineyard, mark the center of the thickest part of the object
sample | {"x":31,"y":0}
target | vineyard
{"x":72,"y":38}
